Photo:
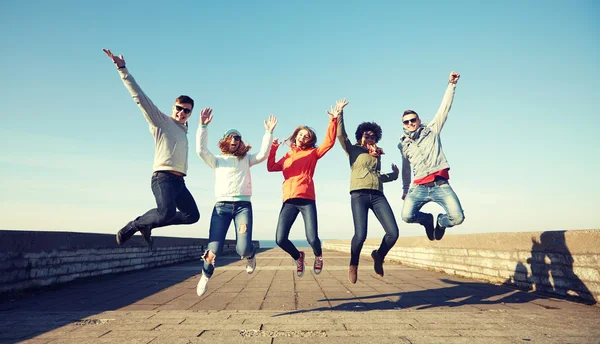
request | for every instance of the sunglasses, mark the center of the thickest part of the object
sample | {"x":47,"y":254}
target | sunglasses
{"x":412,"y":120}
{"x":185,"y":110}
{"x":237,"y":137}
{"x":369,"y":136}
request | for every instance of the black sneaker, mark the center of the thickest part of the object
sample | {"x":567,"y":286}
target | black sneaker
{"x":125,"y":233}
{"x":429,"y":227}
{"x":439,"y":231}
{"x":147,"y":233}
{"x":377,"y":263}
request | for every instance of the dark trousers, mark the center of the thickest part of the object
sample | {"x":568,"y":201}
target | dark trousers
{"x":362,"y":201}
{"x":171,"y":194}
{"x":287,"y":216}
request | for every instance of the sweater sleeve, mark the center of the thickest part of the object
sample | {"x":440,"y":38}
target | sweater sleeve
{"x":152,"y":114}
{"x":442,"y":113}
{"x":202,"y":147}
{"x":329,"y":138}
{"x":265,"y":149}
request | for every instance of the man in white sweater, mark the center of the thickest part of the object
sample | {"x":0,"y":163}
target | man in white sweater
{"x":170,"y":162}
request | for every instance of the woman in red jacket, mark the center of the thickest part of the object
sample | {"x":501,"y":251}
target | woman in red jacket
{"x":298,"y":167}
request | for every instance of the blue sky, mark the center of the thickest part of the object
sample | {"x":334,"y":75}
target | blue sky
{"x":521,"y":137}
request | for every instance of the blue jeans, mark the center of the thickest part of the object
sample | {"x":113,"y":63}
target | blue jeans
{"x":419,"y":195}
{"x":171,"y":194}
{"x":287,"y":216}
{"x":361,"y":202}
{"x":223,"y":213}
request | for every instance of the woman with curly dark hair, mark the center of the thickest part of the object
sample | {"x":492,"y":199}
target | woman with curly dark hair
{"x":366,"y":191}
{"x":298,"y":167}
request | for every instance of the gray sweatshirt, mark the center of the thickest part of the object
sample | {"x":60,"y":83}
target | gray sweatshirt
{"x":170,"y":137}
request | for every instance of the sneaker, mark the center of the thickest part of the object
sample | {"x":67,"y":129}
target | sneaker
{"x":377,"y":263}
{"x":202,"y":285}
{"x":250,"y":264}
{"x":147,"y":233}
{"x":318,"y":264}
{"x":429,"y":227}
{"x":439,"y":231}
{"x":125,"y":233}
{"x":300,"y":265}
{"x":353,"y":274}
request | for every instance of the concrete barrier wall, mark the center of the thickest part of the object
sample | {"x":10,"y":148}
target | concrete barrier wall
{"x":565,"y":263}
{"x":31,"y":259}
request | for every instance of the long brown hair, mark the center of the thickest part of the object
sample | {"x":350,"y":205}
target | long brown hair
{"x":311,"y":143}
{"x":225,"y":146}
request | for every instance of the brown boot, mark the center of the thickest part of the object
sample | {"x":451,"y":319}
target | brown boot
{"x":353,"y":273}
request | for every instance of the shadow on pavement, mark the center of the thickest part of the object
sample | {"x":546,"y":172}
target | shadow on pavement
{"x":456,"y":295}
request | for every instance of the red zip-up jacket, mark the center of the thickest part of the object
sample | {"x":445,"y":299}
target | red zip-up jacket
{"x":298,"y":166}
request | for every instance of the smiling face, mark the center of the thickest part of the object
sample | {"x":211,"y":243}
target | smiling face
{"x":302,"y":138}
{"x":182,"y":111}
{"x":368,"y":138}
{"x":411,"y":121}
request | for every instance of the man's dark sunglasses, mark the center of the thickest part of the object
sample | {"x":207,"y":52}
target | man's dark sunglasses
{"x":369,"y":136}
{"x":237,"y":137}
{"x":185,"y":110}
{"x":412,"y":120}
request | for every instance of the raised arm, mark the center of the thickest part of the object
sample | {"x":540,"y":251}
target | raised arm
{"x":331,"y":133}
{"x":150,"y":111}
{"x":202,"y":139}
{"x":341,"y":129}
{"x":389,"y":177}
{"x":329,"y":140}
{"x":266,"y":142}
{"x":442,"y":113}
{"x":273,"y":166}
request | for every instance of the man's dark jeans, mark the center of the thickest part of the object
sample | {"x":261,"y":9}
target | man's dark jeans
{"x":362,"y":201}
{"x":287,"y":216}
{"x":171,"y":194}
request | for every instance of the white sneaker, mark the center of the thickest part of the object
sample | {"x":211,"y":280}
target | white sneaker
{"x":202,"y":285}
{"x":250,"y":265}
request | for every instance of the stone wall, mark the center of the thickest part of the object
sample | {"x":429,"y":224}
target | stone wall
{"x":565,"y":263}
{"x":32,"y":259}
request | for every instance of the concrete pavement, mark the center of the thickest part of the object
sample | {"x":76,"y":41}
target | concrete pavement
{"x":273,"y":305}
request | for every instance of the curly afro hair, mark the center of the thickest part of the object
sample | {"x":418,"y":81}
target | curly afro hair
{"x":368,"y":126}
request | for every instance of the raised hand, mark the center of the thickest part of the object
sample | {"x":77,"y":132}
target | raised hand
{"x":395,"y":168}
{"x":117,"y":60}
{"x":206,"y":116}
{"x":454,"y":76}
{"x":276,"y":142}
{"x":339,"y":106}
{"x":271,"y":123}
